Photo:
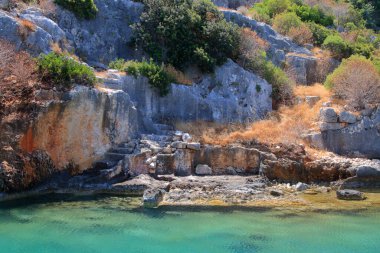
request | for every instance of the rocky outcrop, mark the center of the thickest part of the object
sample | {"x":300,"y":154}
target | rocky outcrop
{"x":229,"y":95}
{"x":83,"y":127}
{"x":299,"y":62}
{"x":234,"y":4}
{"x":106,"y":37}
{"x":348,"y":134}
{"x":36,"y":37}
{"x":279,"y":45}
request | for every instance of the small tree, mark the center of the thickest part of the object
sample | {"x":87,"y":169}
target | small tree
{"x":357,"y":81}
{"x":283,"y":22}
{"x":337,"y":46}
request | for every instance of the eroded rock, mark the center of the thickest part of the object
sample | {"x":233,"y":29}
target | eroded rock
{"x":350,"y":195}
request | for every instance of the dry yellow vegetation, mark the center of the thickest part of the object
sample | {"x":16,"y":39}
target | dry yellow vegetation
{"x":283,"y":126}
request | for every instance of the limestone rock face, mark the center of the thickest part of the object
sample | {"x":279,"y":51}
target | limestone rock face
{"x":361,"y":138}
{"x":106,"y":37}
{"x":245,"y":160}
{"x":49,"y":26}
{"x":82,"y":128}
{"x":34,"y":40}
{"x":279,"y":45}
{"x":229,"y":95}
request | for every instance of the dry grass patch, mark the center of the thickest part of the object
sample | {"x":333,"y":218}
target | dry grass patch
{"x":283,"y":126}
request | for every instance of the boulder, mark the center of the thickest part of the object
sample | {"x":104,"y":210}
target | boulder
{"x":186,"y":137}
{"x":350,"y":195}
{"x":203,"y":169}
{"x":347,"y":117}
{"x":301,"y":186}
{"x":152,"y":197}
{"x":328,"y":115}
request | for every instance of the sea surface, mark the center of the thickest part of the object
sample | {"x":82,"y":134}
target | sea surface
{"x":114,"y":224}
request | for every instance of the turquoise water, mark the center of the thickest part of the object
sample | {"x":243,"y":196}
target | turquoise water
{"x":113,"y":225}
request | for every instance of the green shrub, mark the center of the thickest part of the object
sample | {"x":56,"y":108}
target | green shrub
{"x":281,"y":85}
{"x":157,"y":76}
{"x":185,"y":32}
{"x":320,"y":33}
{"x":364,"y":49}
{"x":83,"y":9}
{"x":313,"y":14}
{"x":285,"y":21}
{"x":337,"y":46}
{"x":63,"y":71}
{"x":119,"y":64}
{"x":271,"y":7}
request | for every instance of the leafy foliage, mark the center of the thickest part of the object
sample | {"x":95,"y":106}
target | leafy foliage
{"x":185,"y":32}
{"x":337,"y":46}
{"x":157,"y":75}
{"x":253,"y":57}
{"x":320,"y":33}
{"x":63,"y":71}
{"x":271,"y":8}
{"x":83,"y":9}
{"x":285,"y":21}
{"x":313,"y":14}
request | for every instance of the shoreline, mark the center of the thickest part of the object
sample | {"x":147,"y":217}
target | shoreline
{"x":220,"y":192}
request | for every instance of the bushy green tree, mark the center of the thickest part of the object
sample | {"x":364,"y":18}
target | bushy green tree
{"x":320,"y":33}
{"x":285,"y":21}
{"x":63,"y":71}
{"x":337,"y":46}
{"x":185,"y":32}
{"x":313,"y":14}
{"x":272,"y":7}
{"x":84,"y":9}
